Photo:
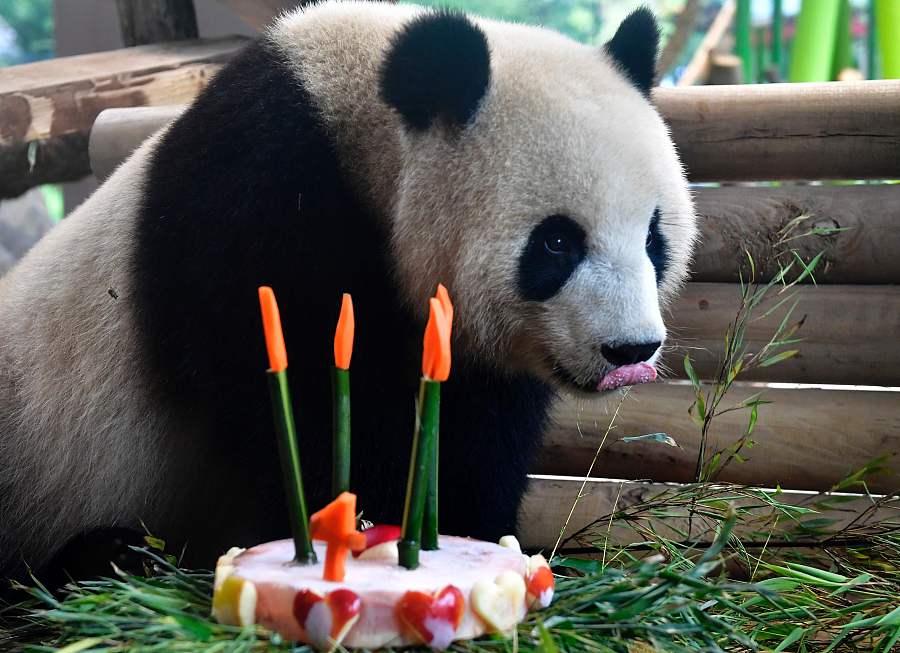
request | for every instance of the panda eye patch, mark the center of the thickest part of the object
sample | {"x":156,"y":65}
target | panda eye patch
{"x":656,"y":246}
{"x":554,"y":250}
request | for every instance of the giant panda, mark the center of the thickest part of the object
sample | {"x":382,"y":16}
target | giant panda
{"x":368,"y":148}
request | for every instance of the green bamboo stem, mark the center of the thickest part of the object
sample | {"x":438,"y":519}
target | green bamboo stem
{"x":888,"y":26}
{"x":430,"y":520}
{"x":340,"y":455}
{"x":289,"y":453}
{"x":742,"y":38}
{"x":420,"y":465}
{"x":815,"y":38}
{"x":777,"y":37}
{"x":842,"y":56}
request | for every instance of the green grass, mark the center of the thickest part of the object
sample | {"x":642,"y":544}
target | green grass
{"x":660,"y":595}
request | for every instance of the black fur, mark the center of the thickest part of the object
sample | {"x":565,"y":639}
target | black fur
{"x":439,"y":66}
{"x":657,"y":249}
{"x":246,"y":189}
{"x":634,"y":47}
{"x":554,"y":249}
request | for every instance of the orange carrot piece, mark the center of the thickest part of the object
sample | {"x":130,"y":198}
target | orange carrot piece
{"x":444,"y":297}
{"x":442,"y":362}
{"x":272,"y":330}
{"x":428,"y":349}
{"x":343,"y":335}
{"x":335,"y":524}
{"x":436,"y":351}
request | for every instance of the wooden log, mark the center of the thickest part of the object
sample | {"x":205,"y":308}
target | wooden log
{"x":836,"y":130}
{"x":48,"y":107}
{"x":155,"y":21}
{"x":549,"y":499}
{"x":259,"y":13}
{"x":735,"y":220}
{"x":847,"y":130}
{"x":850,"y":333}
{"x":806,"y":439}
{"x":725,"y":69}
{"x":118,"y":132}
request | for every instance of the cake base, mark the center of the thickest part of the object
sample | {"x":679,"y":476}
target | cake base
{"x":463,"y":590}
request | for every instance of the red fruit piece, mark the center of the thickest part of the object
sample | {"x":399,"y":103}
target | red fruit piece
{"x":433,"y":620}
{"x":304,"y":600}
{"x":345,"y":608}
{"x":540,"y":588}
{"x":379,"y":534}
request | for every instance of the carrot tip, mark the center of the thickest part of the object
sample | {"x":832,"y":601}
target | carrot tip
{"x":272,"y":330}
{"x":343,"y":335}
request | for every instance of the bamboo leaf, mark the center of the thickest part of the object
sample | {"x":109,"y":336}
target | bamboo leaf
{"x":82,"y":645}
{"x":780,"y":356}
{"x":662,"y":438}
{"x":794,"y":636}
{"x":691,"y":373}
{"x":754,"y":414}
{"x":808,"y":267}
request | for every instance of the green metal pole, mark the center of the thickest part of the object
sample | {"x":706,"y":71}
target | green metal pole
{"x":340,"y":455}
{"x":289,"y":453}
{"x":760,"y":55}
{"x":871,"y":43}
{"x":888,"y":26}
{"x":419,"y":472}
{"x":742,"y":38}
{"x":812,"y":53}
{"x":777,"y":36}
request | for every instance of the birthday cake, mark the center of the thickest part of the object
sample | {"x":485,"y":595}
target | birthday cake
{"x":465,"y":589}
{"x":403,"y":585}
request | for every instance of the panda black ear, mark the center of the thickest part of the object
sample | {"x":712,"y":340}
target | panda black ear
{"x":438,"y":66}
{"x":634,"y":48}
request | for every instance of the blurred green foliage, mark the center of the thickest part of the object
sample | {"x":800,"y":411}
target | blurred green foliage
{"x":26,"y":31}
{"x":580,"y":19}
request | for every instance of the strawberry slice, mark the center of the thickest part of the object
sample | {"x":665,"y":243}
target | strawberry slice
{"x":379,"y":534}
{"x":432,"y":619}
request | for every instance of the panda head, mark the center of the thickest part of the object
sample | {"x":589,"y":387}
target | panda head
{"x":539,"y":183}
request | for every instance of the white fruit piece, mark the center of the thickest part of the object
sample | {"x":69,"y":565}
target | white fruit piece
{"x":499,"y":603}
{"x":510,"y":542}
{"x":234,"y":602}
{"x":225,"y":565}
{"x":386,"y":552}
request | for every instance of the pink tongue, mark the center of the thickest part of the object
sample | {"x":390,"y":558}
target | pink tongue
{"x":628,"y":375}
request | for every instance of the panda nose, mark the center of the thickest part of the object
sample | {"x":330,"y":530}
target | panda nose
{"x":629,"y":353}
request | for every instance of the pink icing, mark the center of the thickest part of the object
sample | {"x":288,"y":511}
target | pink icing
{"x":628,"y":375}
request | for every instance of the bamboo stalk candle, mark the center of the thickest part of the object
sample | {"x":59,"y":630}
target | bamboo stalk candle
{"x":423,"y":460}
{"x":340,"y":385}
{"x":285,"y":428}
{"x":430,"y":520}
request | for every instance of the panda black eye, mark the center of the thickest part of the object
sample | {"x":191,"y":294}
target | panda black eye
{"x":557,"y":244}
{"x":649,"y":240}
{"x":555,"y":248}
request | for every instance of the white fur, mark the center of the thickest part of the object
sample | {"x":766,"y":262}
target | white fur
{"x":80,"y":439}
